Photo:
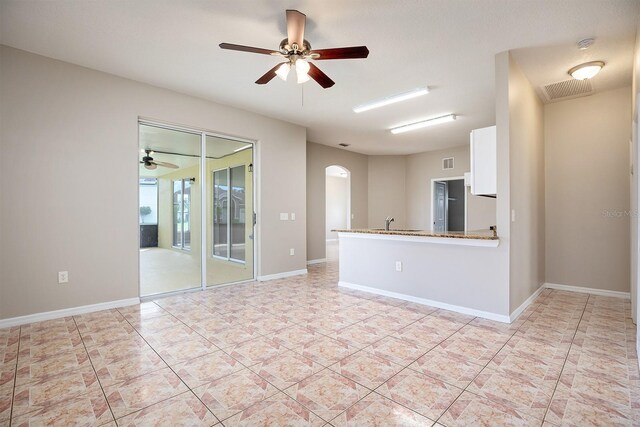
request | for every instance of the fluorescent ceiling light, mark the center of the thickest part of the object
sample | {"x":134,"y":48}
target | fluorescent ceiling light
{"x":424,"y":123}
{"x":587,"y":70}
{"x":391,"y":100}
{"x":242,"y":148}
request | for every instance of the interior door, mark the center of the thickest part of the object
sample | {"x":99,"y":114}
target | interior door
{"x":440,"y":208}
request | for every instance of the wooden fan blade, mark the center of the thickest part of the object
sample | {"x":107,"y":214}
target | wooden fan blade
{"x":354,"y":52}
{"x":249,"y":49}
{"x":316,"y":74}
{"x":266,"y":78}
{"x":295,"y":27}
{"x":166,"y":165}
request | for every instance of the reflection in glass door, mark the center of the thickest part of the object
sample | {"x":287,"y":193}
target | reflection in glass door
{"x":231,"y":224}
{"x":220,"y":214}
{"x":229,"y":214}
{"x":181,"y":214}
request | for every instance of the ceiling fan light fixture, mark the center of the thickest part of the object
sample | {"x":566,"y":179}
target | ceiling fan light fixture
{"x":391,"y":100}
{"x":587,"y":70}
{"x":302,"y":70}
{"x":150,"y":166}
{"x":423,"y":124}
{"x":283,"y":71}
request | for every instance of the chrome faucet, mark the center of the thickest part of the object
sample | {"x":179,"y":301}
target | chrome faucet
{"x":387,"y":223}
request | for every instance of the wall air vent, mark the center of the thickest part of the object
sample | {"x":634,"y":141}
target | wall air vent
{"x":342,"y":144}
{"x":566,"y":90}
{"x":447,"y":163}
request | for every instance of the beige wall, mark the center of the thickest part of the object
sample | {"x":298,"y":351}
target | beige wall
{"x":527,"y":186}
{"x":635,"y":188}
{"x":587,"y":191}
{"x":62,"y":127}
{"x":387,"y":191}
{"x":318,"y":158}
{"x":422,"y":168}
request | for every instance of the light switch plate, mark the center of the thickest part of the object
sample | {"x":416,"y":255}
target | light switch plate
{"x":284,"y":216}
{"x":293,"y":216}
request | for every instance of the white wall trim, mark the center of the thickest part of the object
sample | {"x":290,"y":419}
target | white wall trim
{"x":282,"y":275}
{"x":518,"y":311}
{"x":457,"y":308}
{"x":316,"y":261}
{"x":592,"y":291}
{"x":56,"y":314}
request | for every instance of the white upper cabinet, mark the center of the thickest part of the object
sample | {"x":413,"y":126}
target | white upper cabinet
{"x":483,"y":162}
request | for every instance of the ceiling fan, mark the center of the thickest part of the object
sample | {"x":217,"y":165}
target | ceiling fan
{"x":297,"y":51}
{"x":151,"y":164}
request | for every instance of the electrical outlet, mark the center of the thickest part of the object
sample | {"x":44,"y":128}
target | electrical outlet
{"x":292,"y":252}
{"x":513,"y":215}
{"x":398,"y":265}
{"x":293,"y":216}
{"x":63,"y":277}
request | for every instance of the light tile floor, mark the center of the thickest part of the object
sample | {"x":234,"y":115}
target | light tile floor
{"x":303,"y":352}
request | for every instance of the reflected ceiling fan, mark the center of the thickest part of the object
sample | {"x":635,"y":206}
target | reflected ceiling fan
{"x":297,"y":52}
{"x":151,"y":164}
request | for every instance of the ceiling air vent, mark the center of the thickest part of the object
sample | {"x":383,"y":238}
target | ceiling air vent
{"x":342,"y":144}
{"x":447,"y":163}
{"x":567,"y":89}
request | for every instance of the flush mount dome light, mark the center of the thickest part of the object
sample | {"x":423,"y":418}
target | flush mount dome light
{"x":587,"y":70}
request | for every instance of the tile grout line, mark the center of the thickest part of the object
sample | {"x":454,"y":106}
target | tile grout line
{"x":94,"y":369}
{"x":169,"y":366}
{"x":373,"y":390}
{"x":476,"y":376}
{"x":15,"y":377}
{"x":566,"y":358}
{"x":407,"y":367}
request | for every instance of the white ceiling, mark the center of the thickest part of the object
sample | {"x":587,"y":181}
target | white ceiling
{"x":448,"y":45}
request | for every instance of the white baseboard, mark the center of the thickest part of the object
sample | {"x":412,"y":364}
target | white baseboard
{"x":281,"y":275}
{"x":518,"y":311}
{"x":592,"y":291}
{"x":316,"y":261}
{"x":56,"y":314}
{"x":457,"y":308}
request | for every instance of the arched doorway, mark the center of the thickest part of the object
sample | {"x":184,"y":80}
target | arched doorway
{"x":337,"y":206}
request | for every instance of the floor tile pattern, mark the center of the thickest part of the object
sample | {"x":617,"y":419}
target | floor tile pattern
{"x":303,"y":352}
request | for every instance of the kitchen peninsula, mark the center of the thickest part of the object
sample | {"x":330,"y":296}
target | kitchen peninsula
{"x":454,"y":270}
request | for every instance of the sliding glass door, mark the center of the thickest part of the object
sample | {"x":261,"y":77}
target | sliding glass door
{"x":203,"y":212}
{"x":170,"y":159}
